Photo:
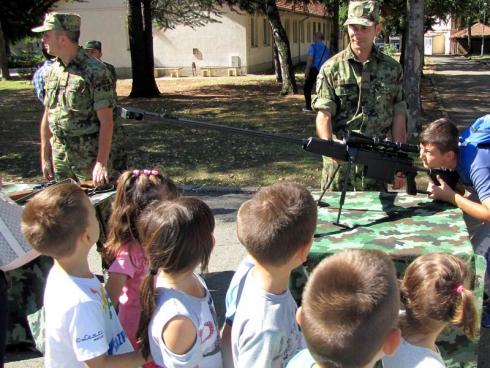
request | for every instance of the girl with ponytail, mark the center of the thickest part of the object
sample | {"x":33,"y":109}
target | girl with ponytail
{"x":435,"y":292}
{"x":178,"y":324}
{"x":136,"y":189}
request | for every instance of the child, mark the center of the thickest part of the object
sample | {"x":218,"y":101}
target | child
{"x":435,"y":293}
{"x":349,"y":312}
{"x":82,"y":328}
{"x":135,"y":190}
{"x":178,"y":321}
{"x":276,"y":226}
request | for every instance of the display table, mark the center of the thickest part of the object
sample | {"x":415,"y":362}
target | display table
{"x":405,"y":227}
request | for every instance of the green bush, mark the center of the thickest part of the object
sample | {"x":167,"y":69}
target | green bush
{"x":389,"y":49}
{"x":25,"y":60}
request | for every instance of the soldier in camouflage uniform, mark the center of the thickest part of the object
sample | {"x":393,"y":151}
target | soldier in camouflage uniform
{"x":360,"y":89}
{"x":78,"y":123}
{"x":94,"y":48}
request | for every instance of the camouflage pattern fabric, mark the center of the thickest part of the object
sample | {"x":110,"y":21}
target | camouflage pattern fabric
{"x":360,"y":96}
{"x":112,"y":70}
{"x":356,"y":181}
{"x":73,"y":95}
{"x":25,"y":298}
{"x":363,"y":13}
{"x":54,"y":21}
{"x":405,"y":227}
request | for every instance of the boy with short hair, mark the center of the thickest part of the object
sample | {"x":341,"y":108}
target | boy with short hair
{"x":276,"y":226}
{"x":82,"y":328}
{"x":349,"y":312}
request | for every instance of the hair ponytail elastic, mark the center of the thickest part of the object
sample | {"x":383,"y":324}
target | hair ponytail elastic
{"x":152,"y":271}
{"x":459,"y":289}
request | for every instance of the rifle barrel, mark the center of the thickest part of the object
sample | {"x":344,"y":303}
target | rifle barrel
{"x":140,"y":114}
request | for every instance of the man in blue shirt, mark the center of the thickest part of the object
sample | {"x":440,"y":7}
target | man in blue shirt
{"x":318,"y":53}
{"x":38,"y":77}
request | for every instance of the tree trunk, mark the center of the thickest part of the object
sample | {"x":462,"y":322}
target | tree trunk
{"x":403,"y":47}
{"x":468,"y":25}
{"x":277,"y":63}
{"x":282,"y":43}
{"x":4,"y":65}
{"x":141,"y":48}
{"x":414,"y":54}
{"x":334,"y":38}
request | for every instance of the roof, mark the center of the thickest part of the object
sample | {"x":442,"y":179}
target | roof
{"x":313,"y":8}
{"x":476,"y":31}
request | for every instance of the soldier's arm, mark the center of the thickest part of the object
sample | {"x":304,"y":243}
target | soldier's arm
{"x":399,"y":128}
{"x":324,"y":125}
{"x":46,"y":157}
{"x":100,"y":173}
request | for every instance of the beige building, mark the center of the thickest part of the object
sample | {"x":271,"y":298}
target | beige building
{"x":239,"y":43}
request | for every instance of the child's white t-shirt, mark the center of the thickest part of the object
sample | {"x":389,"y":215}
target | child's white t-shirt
{"x":264,"y":331}
{"x":412,"y":356}
{"x":206,"y":351}
{"x":81,"y":323}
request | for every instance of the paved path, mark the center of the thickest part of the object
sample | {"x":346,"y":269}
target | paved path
{"x":462,"y":86}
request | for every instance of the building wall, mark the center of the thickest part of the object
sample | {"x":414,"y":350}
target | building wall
{"x":106,"y":21}
{"x":211,"y":45}
{"x":300,"y":29}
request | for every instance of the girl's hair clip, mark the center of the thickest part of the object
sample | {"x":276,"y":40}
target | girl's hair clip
{"x":147,"y":172}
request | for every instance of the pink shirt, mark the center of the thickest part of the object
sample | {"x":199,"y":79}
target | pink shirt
{"x":130,"y":261}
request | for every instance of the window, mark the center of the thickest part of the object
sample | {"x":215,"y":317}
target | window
{"x":302,"y":32}
{"x":308,"y":32}
{"x":253,"y":32}
{"x":267,"y":33}
{"x":295,"y":31}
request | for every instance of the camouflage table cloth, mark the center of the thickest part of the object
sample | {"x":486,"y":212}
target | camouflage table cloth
{"x":405,"y":227}
{"x":25,"y":295}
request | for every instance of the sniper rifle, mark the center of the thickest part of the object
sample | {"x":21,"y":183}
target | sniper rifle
{"x":381,"y":159}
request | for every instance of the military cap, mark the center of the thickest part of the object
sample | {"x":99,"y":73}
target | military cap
{"x":60,"y":22}
{"x":93,"y":44}
{"x":363,"y":13}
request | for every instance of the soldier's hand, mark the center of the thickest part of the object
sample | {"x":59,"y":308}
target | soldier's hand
{"x":399,"y":181}
{"x":47,"y":170}
{"x":100,"y":175}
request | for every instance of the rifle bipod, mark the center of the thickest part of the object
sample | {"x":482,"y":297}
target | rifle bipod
{"x":342,"y":194}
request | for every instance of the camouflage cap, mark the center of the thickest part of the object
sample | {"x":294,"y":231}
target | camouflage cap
{"x":363,"y":13}
{"x":61,"y":22}
{"x":93,"y":44}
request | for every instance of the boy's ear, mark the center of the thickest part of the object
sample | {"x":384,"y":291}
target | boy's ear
{"x":392,"y":342}
{"x":299,"y":315}
{"x":304,"y":250}
{"x":85,"y":238}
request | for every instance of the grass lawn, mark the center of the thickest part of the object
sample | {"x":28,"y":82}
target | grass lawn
{"x":189,"y":156}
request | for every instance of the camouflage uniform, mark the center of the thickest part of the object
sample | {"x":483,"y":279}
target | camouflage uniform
{"x":73,"y":95}
{"x":97,"y":45}
{"x":360,"y":96}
